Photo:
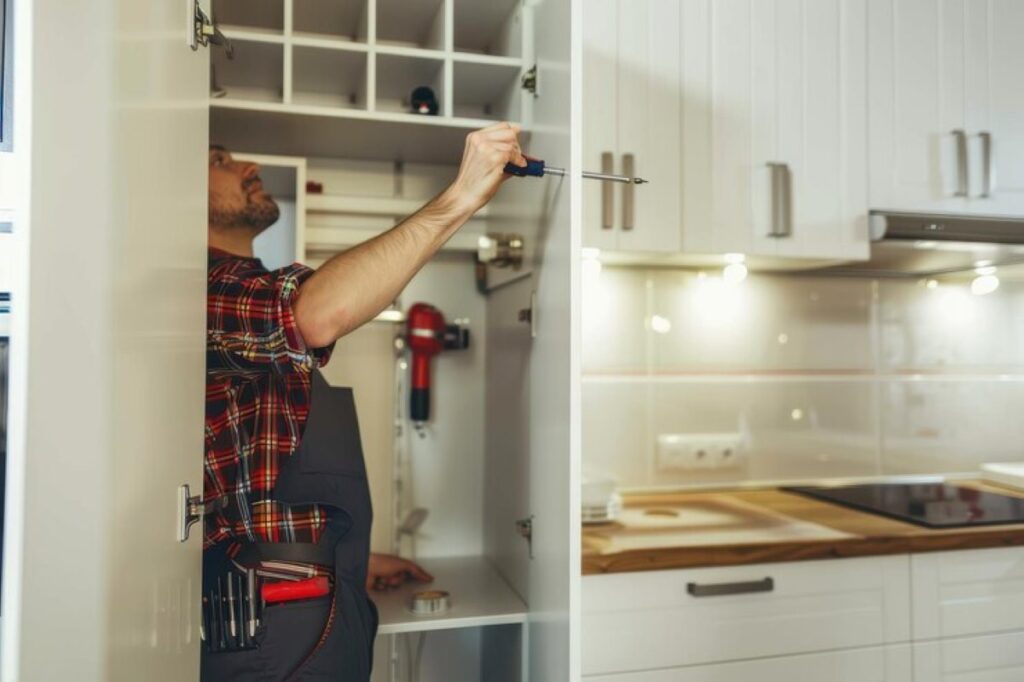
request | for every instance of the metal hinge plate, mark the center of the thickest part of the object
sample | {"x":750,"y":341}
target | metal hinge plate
{"x":529,"y":80}
{"x":524,"y":527}
{"x":191,"y":509}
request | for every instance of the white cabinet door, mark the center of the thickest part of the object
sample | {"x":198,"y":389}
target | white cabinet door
{"x":662,"y":619}
{"x":995,"y":106}
{"x":108,"y":343}
{"x":967,"y":592}
{"x":532,"y":374}
{"x":879,"y":664}
{"x":649,"y":125}
{"x":992,"y":658}
{"x":780,"y":84}
{"x":917,"y":119}
{"x":601,"y":222}
{"x":632,"y":124}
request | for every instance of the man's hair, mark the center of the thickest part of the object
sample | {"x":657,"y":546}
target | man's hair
{"x":217,"y":148}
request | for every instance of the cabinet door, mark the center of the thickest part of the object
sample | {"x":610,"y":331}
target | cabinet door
{"x":601,"y":220}
{"x":992,"y":658}
{"x":107,"y":408}
{"x":717,"y":144}
{"x":969,"y":592}
{"x":532,"y":373}
{"x":820,"y":115}
{"x":649,"y":124}
{"x":879,"y":664}
{"x":916,"y":62}
{"x":994,"y":64}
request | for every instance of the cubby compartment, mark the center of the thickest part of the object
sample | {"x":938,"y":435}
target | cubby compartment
{"x":250,"y":15}
{"x":339,"y":19}
{"x":328,"y":77}
{"x":494,"y":27}
{"x":487,"y":91}
{"x":398,"y":76}
{"x":411,"y":23}
{"x":256,"y":73}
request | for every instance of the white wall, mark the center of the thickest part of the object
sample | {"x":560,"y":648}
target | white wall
{"x":825,"y":377}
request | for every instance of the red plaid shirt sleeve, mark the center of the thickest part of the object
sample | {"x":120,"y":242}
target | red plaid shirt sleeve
{"x":250,"y":321}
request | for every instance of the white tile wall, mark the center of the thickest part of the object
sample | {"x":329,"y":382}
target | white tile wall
{"x":822,"y":377}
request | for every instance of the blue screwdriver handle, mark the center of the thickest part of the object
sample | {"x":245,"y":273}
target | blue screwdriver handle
{"x":533,"y":168}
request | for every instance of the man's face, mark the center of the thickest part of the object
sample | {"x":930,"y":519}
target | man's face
{"x":237,"y":199}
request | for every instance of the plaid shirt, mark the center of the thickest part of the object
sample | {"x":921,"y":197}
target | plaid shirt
{"x":258,"y":376}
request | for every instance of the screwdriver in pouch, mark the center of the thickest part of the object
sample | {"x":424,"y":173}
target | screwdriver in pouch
{"x":536,"y":168}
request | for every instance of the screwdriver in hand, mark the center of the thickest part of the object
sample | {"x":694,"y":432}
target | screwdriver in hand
{"x":536,"y":168}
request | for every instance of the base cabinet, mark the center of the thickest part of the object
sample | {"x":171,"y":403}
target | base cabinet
{"x":991,"y":658}
{"x":878,"y":664}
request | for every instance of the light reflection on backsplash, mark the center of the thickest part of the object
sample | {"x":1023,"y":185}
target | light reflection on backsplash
{"x":818,"y":377}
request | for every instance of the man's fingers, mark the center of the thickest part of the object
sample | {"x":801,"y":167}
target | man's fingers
{"x":417,"y":573}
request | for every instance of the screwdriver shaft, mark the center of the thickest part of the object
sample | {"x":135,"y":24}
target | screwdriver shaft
{"x":608,"y":177}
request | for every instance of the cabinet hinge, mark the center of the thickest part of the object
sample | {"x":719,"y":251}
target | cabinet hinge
{"x":524,"y":527}
{"x":205,"y":32}
{"x":529,"y":80}
{"x":192,"y":507}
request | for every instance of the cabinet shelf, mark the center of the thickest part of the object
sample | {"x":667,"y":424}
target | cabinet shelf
{"x":345,"y":20}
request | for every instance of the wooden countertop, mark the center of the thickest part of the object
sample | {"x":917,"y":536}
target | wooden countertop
{"x":783,"y":519}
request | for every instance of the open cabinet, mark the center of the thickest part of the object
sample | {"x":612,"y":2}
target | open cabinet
{"x":112,"y":431}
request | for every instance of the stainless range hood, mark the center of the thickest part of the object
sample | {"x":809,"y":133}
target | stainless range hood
{"x":915,"y":245}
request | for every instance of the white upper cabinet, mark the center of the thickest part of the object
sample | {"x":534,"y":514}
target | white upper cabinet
{"x":632,"y":124}
{"x":774,"y":147}
{"x":947,"y":109}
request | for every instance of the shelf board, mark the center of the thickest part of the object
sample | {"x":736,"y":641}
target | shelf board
{"x":253,"y":34}
{"x":487,"y":59}
{"x":409,"y":51}
{"x":310,"y":130}
{"x":327,"y":42}
{"x":479,"y":597}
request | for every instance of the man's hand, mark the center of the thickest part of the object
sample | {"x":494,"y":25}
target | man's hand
{"x":483,"y":164}
{"x":388,"y":572}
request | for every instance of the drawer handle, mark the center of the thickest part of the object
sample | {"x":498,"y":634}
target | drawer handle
{"x":723,"y":589}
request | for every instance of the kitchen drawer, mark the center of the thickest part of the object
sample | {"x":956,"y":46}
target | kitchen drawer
{"x":877,"y":664}
{"x":968,"y":592}
{"x":991,"y":658}
{"x":649,"y":620}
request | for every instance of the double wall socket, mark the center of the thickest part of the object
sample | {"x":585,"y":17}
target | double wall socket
{"x":695,"y":451}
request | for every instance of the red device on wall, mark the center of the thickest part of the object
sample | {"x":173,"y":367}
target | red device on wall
{"x":427,"y":334}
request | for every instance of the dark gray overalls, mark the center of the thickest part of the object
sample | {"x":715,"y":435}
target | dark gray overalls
{"x":328,"y":638}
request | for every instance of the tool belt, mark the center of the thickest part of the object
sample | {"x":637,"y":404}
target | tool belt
{"x":255,"y":553}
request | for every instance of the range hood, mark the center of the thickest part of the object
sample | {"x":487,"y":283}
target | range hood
{"x":917,"y":244}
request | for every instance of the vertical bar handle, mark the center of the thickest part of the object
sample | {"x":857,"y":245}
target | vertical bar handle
{"x":987,"y":170}
{"x":781,"y":207}
{"x":960,"y":137}
{"x":607,"y":192}
{"x":628,"y":209}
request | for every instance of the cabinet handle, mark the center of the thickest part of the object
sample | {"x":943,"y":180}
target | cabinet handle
{"x":725,"y":589}
{"x":628,"y":169}
{"x":987,"y":170}
{"x":607,"y":192}
{"x":961,"y":163}
{"x":782,"y":213}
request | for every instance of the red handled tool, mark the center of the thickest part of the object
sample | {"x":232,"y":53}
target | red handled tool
{"x":287,"y":590}
{"x":427,"y":334}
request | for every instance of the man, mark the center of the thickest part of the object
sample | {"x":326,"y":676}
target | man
{"x":283,"y":457}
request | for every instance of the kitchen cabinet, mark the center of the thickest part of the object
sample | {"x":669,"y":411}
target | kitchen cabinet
{"x":632,"y":124}
{"x":969,"y":592}
{"x":774,"y":128}
{"x":877,"y":664}
{"x":663,"y":619}
{"x":946,"y":124}
{"x":991,"y":658}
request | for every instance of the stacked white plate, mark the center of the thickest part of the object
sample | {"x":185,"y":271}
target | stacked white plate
{"x":601,"y":502}
{"x":605,"y":512}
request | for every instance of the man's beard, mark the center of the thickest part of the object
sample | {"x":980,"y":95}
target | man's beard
{"x":255,"y":217}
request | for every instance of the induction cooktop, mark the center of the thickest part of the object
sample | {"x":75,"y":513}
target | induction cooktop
{"x":932,"y":505}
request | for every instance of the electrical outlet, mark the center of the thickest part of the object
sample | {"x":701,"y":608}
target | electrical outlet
{"x":700,"y":451}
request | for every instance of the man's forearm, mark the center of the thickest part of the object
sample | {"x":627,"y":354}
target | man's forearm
{"x":353,"y":287}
